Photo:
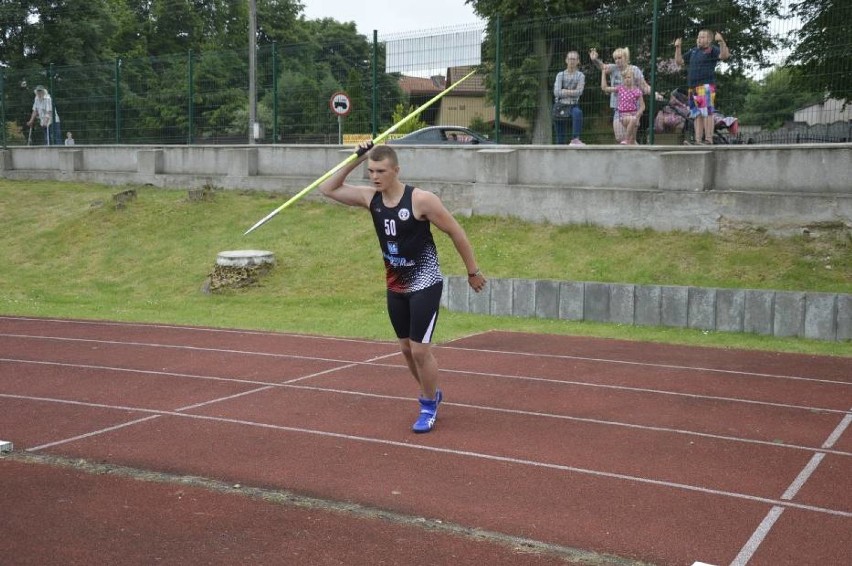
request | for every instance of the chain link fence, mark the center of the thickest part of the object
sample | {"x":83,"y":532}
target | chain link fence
{"x":203,"y":98}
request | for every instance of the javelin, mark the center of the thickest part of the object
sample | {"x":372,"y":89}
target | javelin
{"x":355,"y":156}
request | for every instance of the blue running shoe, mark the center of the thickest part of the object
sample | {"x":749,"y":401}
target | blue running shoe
{"x":428,"y":413}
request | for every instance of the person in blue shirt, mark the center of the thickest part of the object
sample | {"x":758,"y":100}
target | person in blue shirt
{"x":701,"y":63}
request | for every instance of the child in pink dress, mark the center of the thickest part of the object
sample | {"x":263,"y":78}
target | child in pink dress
{"x":631,"y":104}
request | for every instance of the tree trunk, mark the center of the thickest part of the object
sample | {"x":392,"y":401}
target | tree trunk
{"x":542,"y":129}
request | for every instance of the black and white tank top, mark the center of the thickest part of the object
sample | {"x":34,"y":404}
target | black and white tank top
{"x":408,"y":249}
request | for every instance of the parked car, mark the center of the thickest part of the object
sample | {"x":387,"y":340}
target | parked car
{"x":442,"y":135}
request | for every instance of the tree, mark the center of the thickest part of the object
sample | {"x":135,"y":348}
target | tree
{"x":773,"y":101}
{"x":822,"y":59}
{"x":62,"y":32}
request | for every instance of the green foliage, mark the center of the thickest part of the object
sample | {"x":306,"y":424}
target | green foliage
{"x":15,"y":133}
{"x":774,"y":100}
{"x":479,"y":125}
{"x":400,"y":112}
{"x":822,"y":58}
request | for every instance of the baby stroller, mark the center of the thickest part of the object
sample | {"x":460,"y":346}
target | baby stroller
{"x":674,"y":118}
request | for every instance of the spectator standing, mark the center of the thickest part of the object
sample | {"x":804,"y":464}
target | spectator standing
{"x":630,"y":107}
{"x":43,"y":111}
{"x":567,"y":89}
{"x":69,"y":139}
{"x":616,"y":72}
{"x":701,"y":63}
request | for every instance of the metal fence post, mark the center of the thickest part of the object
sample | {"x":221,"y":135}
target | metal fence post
{"x":652,"y":103}
{"x":497,"y":93}
{"x":374,"y":120}
{"x":3,"y":104}
{"x":274,"y":92}
{"x":191,"y":106}
{"x":117,"y":100}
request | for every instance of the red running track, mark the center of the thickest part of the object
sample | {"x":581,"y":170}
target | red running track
{"x":143,"y":443}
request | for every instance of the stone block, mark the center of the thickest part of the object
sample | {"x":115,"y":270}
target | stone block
{"x":501,"y":296}
{"x":458,"y":289}
{"x":498,"y":166}
{"x":686,"y":170}
{"x":70,"y":160}
{"x":730,"y":310}
{"x":571,"y":300}
{"x":523,"y":297}
{"x":596,"y":304}
{"x":478,"y":303}
{"x":547,"y":299}
{"x":844,"y":317}
{"x":622,"y":303}
{"x":758,"y":314}
{"x":149,"y":161}
{"x":648,"y":305}
{"x":445,"y":294}
{"x":820,"y":316}
{"x":674,"y":306}
{"x":789,"y":319}
{"x":701,"y":308}
{"x":242,"y":162}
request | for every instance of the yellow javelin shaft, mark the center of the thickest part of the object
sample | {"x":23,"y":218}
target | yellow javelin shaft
{"x":381,"y":137}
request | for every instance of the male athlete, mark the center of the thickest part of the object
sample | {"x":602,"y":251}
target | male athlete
{"x":402,"y":216}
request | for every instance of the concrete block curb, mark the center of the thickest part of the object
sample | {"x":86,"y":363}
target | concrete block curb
{"x":818,"y":316}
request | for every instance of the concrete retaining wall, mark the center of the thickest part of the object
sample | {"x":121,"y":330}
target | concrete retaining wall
{"x":820,"y":316}
{"x":780,"y":188}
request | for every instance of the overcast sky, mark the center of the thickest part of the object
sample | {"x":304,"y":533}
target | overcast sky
{"x":392,"y":16}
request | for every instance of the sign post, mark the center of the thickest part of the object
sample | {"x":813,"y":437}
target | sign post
{"x":340,"y":105}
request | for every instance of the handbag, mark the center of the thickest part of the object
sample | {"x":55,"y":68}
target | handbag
{"x":561,"y":110}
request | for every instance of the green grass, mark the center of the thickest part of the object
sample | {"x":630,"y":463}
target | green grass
{"x":67,"y":252}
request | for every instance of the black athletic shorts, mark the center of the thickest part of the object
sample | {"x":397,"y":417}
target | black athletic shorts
{"x":413,"y":315}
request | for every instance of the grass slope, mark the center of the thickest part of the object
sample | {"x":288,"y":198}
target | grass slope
{"x":67,"y":252}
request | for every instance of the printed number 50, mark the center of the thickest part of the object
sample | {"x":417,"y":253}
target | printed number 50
{"x":390,"y":227}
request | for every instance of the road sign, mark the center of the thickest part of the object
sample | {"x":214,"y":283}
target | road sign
{"x":340,"y":104}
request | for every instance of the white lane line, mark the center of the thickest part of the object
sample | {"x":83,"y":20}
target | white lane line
{"x":94,"y":432}
{"x":114,"y":369}
{"x":645,"y":364}
{"x":266,"y":387}
{"x":803,"y":476}
{"x":486,"y":351}
{"x":294,"y":384}
{"x":184,"y":347}
{"x":370,"y":361}
{"x":758,"y":536}
{"x":192,"y":329}
{"x":550,"y":381}
{"x":644,"y":390}
{"x":461,"y":453}
{"x":835,"y":435}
